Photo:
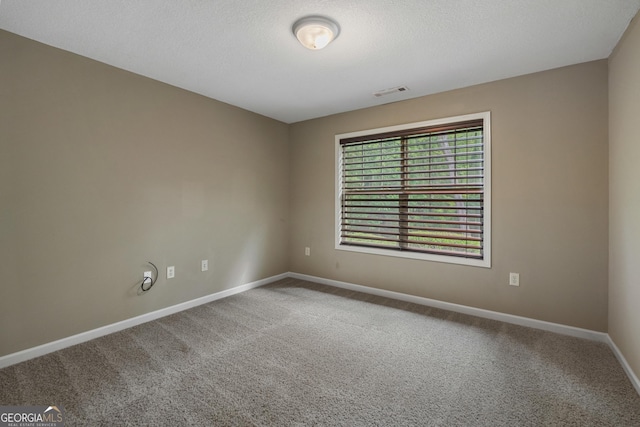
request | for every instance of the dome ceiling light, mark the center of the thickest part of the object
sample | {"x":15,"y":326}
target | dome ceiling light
{"x":315,"y":32}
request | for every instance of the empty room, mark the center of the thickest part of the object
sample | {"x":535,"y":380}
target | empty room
{"x":340,"y":213}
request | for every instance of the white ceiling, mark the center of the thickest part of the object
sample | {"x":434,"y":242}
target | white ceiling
{"x":243,"y":51}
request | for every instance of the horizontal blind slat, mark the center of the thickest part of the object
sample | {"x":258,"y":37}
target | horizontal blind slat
{"x":387,"y":148}
{"x":443,"y":222}
{"x":444,"y":244}
{"x":452,"y":233}
{"x":471,"y":125}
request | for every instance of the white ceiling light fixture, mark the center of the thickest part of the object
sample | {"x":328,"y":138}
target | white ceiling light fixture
{"x":315,"y":32}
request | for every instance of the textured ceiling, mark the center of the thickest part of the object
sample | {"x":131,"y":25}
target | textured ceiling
{"x":243,"y":51}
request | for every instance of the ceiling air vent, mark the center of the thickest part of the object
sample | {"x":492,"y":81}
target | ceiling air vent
{"x":384,"y":92}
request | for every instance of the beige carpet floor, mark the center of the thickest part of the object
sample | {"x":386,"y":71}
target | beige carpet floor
{"x":295,"y":353}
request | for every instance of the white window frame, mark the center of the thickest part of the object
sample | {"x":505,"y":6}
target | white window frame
{"x":486,"y":261}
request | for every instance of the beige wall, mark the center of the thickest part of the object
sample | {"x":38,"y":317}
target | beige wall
{"x":102,"y":170}
{"x":550,"y":186}
{"x":624,"y":196}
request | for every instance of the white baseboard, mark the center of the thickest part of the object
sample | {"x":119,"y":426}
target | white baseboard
{"x":41,"y":350}
{"x":487,"y":314}
{"x":632,"y":376}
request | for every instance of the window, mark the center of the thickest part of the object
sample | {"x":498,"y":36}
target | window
{"x":420,"y":190}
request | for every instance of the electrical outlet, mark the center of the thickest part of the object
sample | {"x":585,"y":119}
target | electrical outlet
{"x":514,"y":279}
{"x":171,"y":272}
{"x":204,"y":265}
{"x":147,"y":274}
{"x":307,"y":251}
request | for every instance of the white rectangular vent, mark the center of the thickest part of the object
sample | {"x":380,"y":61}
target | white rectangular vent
{"x":390,"y":91}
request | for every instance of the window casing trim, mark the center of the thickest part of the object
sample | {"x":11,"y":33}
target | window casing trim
{"x":486,"y":260}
